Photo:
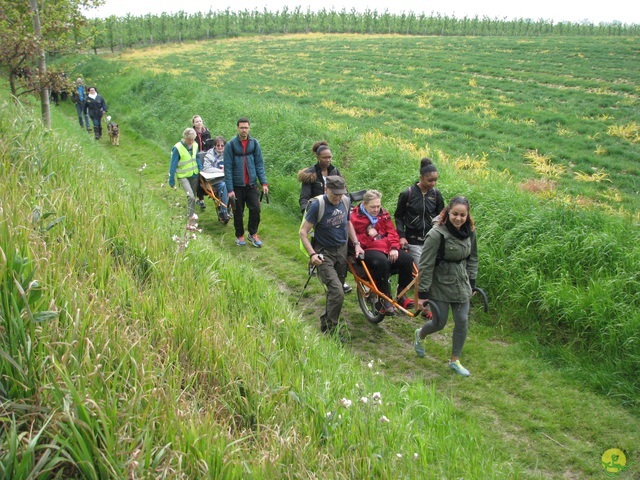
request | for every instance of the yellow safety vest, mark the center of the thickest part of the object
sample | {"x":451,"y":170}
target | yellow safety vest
{"x":187,"y":165}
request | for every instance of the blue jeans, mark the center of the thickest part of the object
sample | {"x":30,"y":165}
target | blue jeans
{"x":220,"y":189}
{"x":81,"y":114}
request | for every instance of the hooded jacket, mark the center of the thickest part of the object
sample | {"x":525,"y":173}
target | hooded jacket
{"x":313,"y":183}
{"x":450,"y":279}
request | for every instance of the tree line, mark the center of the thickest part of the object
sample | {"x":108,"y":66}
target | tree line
{"x":130,"y":31}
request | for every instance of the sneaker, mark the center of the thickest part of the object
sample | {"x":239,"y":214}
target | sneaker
{"x":255,"y":240}
{"x":240,"y":242}
{"x":201,"y":204}
{"x":346,"y":288}
{"x":389,"y":310}
{"x":459,"y":369}
{"x":406,"y":303}
{"x":223,"y":218}
{"x":418,"y":343}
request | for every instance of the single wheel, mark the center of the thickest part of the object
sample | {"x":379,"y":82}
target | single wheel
{"x":368,"y":302}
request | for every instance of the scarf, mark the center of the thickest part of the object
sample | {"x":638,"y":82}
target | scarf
{"x":373,"y":220}
{"x":464,"y":232}
{"x":93,"y":95}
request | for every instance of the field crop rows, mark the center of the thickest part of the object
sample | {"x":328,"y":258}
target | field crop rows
{"x":557,"y":114}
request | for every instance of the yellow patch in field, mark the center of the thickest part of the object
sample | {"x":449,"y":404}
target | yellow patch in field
{"x":596,"y":177}
{"x":543,"y":165}
{"x":564,"y":132}
{"x":630,"y":132}
{"x":600,"y":150}
{"x":374,"y":140}
{"x":473,"y":82}
{"x":542,"y":187}
{"x":407,"y":92}
{"x":429,"y":132}
{"x":469,"y":163}
{"x":355,"y":112}
{"x":376,"y":91}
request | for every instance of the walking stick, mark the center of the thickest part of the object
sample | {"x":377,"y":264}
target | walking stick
{"x":311,"y":272}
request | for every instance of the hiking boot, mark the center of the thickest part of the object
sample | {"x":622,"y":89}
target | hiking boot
{"x":459,"y":369}
{"x":240,"y":241}
{"x":389,"y":310}
{"x":334,"y":332}
{"x":223,"y":217}
{"x":255,"y":240}
{"x":406,"y":303}
{"x":346,"y":288}
{"x":418,"y":343}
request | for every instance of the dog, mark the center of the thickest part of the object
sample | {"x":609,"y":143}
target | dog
{"x":114,"y":133}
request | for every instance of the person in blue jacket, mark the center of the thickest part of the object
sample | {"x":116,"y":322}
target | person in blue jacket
{"x":243,"y":169}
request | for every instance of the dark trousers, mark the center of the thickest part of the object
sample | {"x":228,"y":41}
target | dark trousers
{"x":381,"y":268}
{"x":331,"y":273}
{"x":246,"y":196}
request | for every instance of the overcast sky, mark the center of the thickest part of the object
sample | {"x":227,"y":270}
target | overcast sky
{"x":594,"y":11}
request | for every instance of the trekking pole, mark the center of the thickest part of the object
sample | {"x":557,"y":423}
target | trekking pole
{"x":311,"y":272}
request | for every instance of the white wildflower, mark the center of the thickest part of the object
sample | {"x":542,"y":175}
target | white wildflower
{"x":399,"y":455}
{"x":415,"y":456}
{"x":345,"y":402}
{"x":376,"y":396}
{"x":364,"y":400}
{"x":370,"y":364}
{"x":383,"y":419}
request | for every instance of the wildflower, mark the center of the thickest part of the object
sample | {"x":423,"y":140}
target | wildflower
{"x":415,"y":456}
{"x":370,"y":364}
{"x":364,"y":400}
{"x":376,"y":396}
{"x":175,"y":238}
{"x":383,"y":419}
{"x":345,"y":402}
{"x":329,"y":414}
{"x":399,"y":455}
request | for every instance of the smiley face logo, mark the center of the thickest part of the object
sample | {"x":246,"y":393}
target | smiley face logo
{"x":614,"y":461}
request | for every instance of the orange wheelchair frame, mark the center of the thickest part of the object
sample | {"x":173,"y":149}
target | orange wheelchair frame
{"x":370,"y":297}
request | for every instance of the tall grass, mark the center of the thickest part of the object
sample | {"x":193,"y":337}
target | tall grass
{"x":564,"y":271}
{"x":132,"y":358}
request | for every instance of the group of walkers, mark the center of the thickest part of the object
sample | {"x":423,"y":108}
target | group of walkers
{"x":89,"y":104}
{"x":240,"y":165}
{"x":438,"y":240}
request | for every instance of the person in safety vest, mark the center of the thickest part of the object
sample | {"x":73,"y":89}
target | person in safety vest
{"x":186,"y":166}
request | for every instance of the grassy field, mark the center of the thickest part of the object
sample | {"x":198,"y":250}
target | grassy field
{"x":541,"y":134}
{"x":134,"y":380}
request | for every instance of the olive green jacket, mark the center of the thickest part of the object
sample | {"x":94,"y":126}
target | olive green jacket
{"x":448,"y":280}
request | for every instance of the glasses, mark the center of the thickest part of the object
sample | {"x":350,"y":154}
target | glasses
{"x":220,"y":145}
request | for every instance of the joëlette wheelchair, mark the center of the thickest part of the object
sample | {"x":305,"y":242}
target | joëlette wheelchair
{"x":371,"y":299}
{"x":208,"y":182}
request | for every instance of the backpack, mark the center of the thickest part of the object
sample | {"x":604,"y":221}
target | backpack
{"x":320,"y":199}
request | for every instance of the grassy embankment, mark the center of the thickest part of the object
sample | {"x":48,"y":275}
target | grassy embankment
{"x":125,"y":355}
{"x":519,"y":404}
{"x":501,"y":117}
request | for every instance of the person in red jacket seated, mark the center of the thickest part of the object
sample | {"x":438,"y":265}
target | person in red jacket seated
{"x":381,"y":244}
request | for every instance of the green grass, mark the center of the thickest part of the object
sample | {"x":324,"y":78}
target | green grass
{"x":501,"y":117}
{"x":193,"y":362}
